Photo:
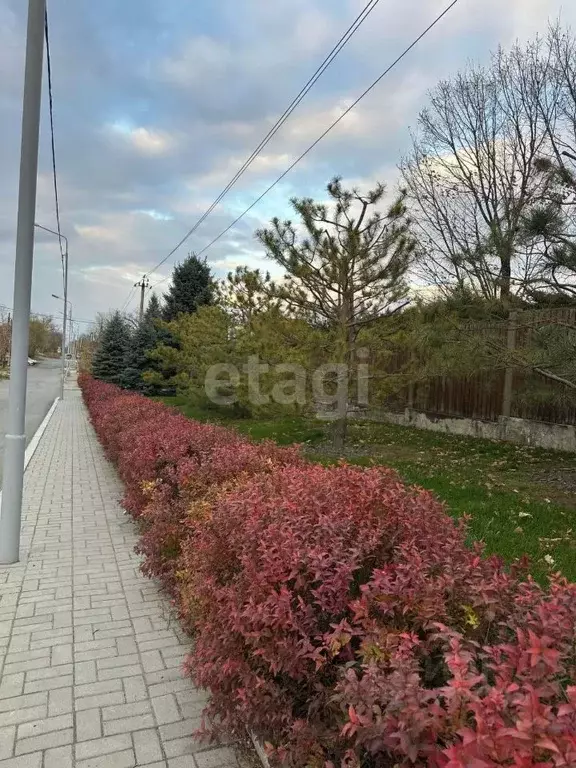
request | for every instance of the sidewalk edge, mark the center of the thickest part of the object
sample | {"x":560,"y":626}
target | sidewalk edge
{"x":37,"y":436}
{"x":260,"y":751}
{"x":35,"y":441}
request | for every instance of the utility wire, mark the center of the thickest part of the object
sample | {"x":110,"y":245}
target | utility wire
{"x":51,"y":103}
{"x":128,"y":300}
{"x":358,"y":21}
{"x":333,"y":125}
{"x":48,"y":316}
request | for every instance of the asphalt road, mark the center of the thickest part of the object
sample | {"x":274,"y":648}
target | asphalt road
{"x":43,"y":387}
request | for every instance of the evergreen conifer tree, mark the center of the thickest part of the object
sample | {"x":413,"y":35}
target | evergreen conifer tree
{"x":110,"y":358}
{"x":192,"y":287}
{"x":144,"y":341}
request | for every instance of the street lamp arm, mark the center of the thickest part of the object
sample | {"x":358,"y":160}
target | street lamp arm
{"x":54,"y":296}
{"x":53,"y":232}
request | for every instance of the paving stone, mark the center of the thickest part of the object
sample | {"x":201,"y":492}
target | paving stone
{"x":135,"y":689}
{"x":125,"y":759}
{"x":23,"y":702}
{"x":88,"y":725}
{"x":60,"y":701}
{"x":46,"y":741}
{"x":59,"y":757}
{"x":7,"y":739}
{"x":128,"y":724}
{"x":127,"y":710}
{"x":105,"y":746}
{"x":45,"y":725}
{"x":25,"y":761}
{"x":115,"y":672}
{"x":178,"y":747}
{"x":147,"y":746}
{"x":213,"y":758}
{"x":99,"y":700}
{"x":92,"y":689}
{"x":166,"y":709}
{"x":179,"y":729}
{"x":48,"y":672}
{"x":61,"y":681}
{"x":12,"y":685}
{"x":18,"y":716}
{"x":84,"y":672}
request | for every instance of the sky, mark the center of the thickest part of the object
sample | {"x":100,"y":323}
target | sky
{"x":157,"y":103}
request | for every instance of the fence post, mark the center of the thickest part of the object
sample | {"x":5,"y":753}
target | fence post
{"x":410,"y":403}
{"x":411,"y":388}
{"x":509,"y":373}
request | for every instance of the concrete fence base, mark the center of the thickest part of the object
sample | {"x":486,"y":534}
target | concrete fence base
{"x":559,"y":437}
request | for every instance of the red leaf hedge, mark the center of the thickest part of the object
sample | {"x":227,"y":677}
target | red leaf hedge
{"x":338,"y":613}
{"x":170,"y":465}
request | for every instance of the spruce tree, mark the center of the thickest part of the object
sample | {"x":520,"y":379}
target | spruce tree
{"x":192,"y":287}
{"x":145,"y":340}
{"x":110,"y":358}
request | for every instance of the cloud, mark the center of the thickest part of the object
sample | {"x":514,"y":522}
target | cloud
{"x":158,"y":104}
{"x":262,"y":165}
{"x":144,"y":140}
{"x":98,"y":233}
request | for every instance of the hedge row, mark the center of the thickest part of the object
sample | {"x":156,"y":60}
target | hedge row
{"x":339,"y":614}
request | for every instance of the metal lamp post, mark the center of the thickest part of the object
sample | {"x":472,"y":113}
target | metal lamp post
{"x":15,"y":445}
{"x":64,"y":337}
{"x":62,"y":237}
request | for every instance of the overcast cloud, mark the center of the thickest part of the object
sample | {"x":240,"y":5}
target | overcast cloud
{"x":158,"y":102}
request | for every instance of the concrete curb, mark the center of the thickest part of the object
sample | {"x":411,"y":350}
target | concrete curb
{"x":33,"y":444}
{"x":260,"y":751}
{"x":36,"y":437}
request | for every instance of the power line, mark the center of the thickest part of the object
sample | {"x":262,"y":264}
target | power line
{"x":358,"y":21}
{"x":85,"y":322}
{"x":128,"y":300}
{"x":333,"y":125}
{"x":49,"y":316}
{"x":53,"y":145}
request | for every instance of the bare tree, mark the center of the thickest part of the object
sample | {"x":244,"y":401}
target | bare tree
{"x":471,"y":174}
{"x":5,"y":333}
{"x":345,"y":267}
{"x":551,"y":222}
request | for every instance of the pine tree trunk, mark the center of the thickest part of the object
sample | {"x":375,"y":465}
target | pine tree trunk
{"x":341,"y":424}
{"x":340,"y":432}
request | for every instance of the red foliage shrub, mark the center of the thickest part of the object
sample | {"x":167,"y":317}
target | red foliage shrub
{"x":339,"y":614}
{"x":342,"y":618}
{"x":169,"y":465}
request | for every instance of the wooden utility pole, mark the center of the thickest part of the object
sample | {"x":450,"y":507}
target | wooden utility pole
{"x":143,"y":285}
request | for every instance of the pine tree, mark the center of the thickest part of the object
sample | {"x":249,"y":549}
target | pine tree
{"x":345,"y":268}
{"x":192,"y":287}
{"x":110,"y":359}
{"x":145,"y":340}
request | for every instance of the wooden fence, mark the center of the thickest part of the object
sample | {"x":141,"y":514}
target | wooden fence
{"x":499,"y":391}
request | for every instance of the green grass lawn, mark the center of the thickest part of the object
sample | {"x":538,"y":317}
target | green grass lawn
{"x":519,"y":499}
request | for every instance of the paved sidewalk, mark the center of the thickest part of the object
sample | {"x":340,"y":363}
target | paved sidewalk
{"x":89,"y":658}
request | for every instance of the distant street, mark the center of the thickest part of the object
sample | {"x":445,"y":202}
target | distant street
{"x":43,"y":387}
